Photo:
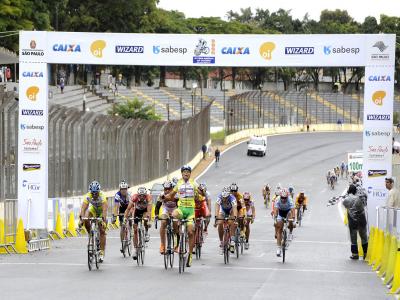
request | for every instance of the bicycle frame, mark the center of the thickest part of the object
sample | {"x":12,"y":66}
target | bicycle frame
{"x":93,"y":247}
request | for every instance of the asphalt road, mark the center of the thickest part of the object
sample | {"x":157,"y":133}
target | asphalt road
{"x":317,"y":266}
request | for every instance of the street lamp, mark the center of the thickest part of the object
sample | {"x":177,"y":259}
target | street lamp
{"x":194,"y":87}
{"x":259,"y":105}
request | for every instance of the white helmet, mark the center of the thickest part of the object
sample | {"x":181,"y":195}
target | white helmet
{"x":226,"y":191}
{"x":123,"y":185}
{"x":142,"y":191}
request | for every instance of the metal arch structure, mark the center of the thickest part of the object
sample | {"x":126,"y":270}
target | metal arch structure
{"x":375,"y":52}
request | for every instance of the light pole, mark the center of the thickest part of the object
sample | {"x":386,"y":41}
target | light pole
{"x":194,"y":87}
{"x":259,"y":105}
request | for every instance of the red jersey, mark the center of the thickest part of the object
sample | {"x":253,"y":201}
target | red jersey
{"x":141,"y":202}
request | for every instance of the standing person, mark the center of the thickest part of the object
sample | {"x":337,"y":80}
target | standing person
{"x":394,"y":194}
{"x":187,"y":191}
{"x":357,"y":220}
{"x":62,"y":84}
{"x":217,"y":155}
{"x":204,"y":150}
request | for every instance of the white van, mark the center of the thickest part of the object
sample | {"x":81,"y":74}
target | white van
{"x":257,"y":145}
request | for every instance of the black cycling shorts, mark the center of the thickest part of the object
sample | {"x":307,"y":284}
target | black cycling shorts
{"x":139,"y":214}
{"x":122,"y":209}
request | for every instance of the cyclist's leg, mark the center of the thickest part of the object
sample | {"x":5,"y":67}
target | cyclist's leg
{"x":279,"y":228}
{"x":189,"y":215}
{"x":291,"y":226}
{"x":90,"y":213}
{"x":177,"y":214}
{"x":220,"y":226}
{"x":163,"y":227}
{"x":232,"y":225}
{"x":121,"y":221}
{"x":247,"y":226}
{"x":206,"y":215}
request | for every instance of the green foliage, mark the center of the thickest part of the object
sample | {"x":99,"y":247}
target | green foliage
{"x":134,"y":109}
{"x":396,"y":118}
{"x":218,"y":136}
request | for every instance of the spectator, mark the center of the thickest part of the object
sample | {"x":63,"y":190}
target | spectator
{"x":217,"y":154}
{"x":394,"y":194}
{"x":204,"y":150}
{"x":62,"y":84}
{"x":357,"y":220}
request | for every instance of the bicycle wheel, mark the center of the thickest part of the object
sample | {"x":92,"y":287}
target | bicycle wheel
{"x":90,"y":252}
{"x":283,"y":245}
{"x":143,"y":253}
{"x":139,"y":246}
{"x":182,"y":254}
{"x":300,"y":217}
{"x":237,"y":242}
{"x":172,"y":250}
{"x":241,"y":245}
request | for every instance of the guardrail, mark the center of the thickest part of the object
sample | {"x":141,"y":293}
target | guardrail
{"x":384,"y":247}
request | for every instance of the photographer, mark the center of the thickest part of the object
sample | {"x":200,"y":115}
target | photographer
{"x":355,"y":205}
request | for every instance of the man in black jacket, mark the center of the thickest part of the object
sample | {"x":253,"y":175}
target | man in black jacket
{"x":357,"y":220}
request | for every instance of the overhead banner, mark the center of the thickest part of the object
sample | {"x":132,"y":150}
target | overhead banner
{"x":375,"y":52}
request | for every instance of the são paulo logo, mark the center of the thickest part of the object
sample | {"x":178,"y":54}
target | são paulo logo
{"x":378,"y":96}
{"x":379,"y":78}
{"x":67,"y":48}
{"x":381,"y":55}
{"x":266,"y":50}
{"x":32,"y":92}
{"x":236,"y":50}
{"x":32,"y":51}
{"x":32,"y":74}
{"x":97,"y":48}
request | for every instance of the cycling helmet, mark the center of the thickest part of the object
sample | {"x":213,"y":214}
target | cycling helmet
{"x":123,"y":185}
{"x":284,"y":193}
{"x":174,"y":181}
{"x":94,"y":187}
{"x":291,"y":189}
{"x":142,"y":191}
{"x":168,"y":184}
{"x":186,"y":168}
{"x":226,"y":192}
{"x":234,"y":187}
{"x":302,"y":191}
{"x":246,"y":196}
{"x":202,"y":187}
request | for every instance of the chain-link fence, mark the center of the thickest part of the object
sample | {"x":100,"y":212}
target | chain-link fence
{"x":259,"y":109}
{"x":84,"y":146}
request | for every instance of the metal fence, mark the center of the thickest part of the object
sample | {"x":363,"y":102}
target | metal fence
{"x":388,"y":219}
{"x":259,"y":109}
{"x":84,"y":146}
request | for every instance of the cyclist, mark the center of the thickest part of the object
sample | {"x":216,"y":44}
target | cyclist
{"x":266,"y":192}
{"x":167,"y":209}
{"x":337,"y":172}
{"x":203,"y":206}
{"x":342,"y":169}
{"x":276,"y":195}
{"x":174,"y":181}
{"x":95,"y":206}
{"x":187,"y":191}
{"x":301,"y":200}
{"x":250,"y":214}
{"x":121,"y":199}
{"x":291,"y":192}
{"x":226,"y":206}
{"x":241,"y":209}
{"x":284,"y":208}
{"x":141,"y":205}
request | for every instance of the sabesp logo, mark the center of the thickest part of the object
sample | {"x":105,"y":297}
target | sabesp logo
{"x":97,"y":48}
{"x":32,"y":92}
{"x":341,"y":50}
{"x":377,"y":132}
{"x":378,"y":97}
{"x":266,"y":50}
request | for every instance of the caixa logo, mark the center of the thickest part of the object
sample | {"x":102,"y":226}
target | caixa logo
{"x":67,"y":47}
{"x":31,"y":186}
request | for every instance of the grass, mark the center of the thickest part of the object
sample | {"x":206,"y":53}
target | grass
{"x":218,"y":136}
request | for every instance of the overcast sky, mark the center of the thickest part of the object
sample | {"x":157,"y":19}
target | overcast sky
{"x":358,"y":9}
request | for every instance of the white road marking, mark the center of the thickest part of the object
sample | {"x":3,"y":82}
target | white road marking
{"x":194,"y":267}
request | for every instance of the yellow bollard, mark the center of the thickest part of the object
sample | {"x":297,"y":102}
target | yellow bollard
{"x":20,"y":244}
{"x":59,"y":227}
{"x":391,"y":261}
{"x":375,"y":247}
{"x":370,"y":244}
{"x":396,"y":275}
{"x":2,"y":241}
{"x":117,"y":222}
{"x":71,"y":224}
{"x":379,"y":250}
{"x":385,"y":255}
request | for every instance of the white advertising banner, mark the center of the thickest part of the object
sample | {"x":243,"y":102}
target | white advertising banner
{"x":378,"y":131}
{"x":374,"y":51}
{"x":33,"y":132}
{"x":355,"y":162}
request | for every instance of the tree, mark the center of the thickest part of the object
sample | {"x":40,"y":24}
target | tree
{"x":134,"y":109}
